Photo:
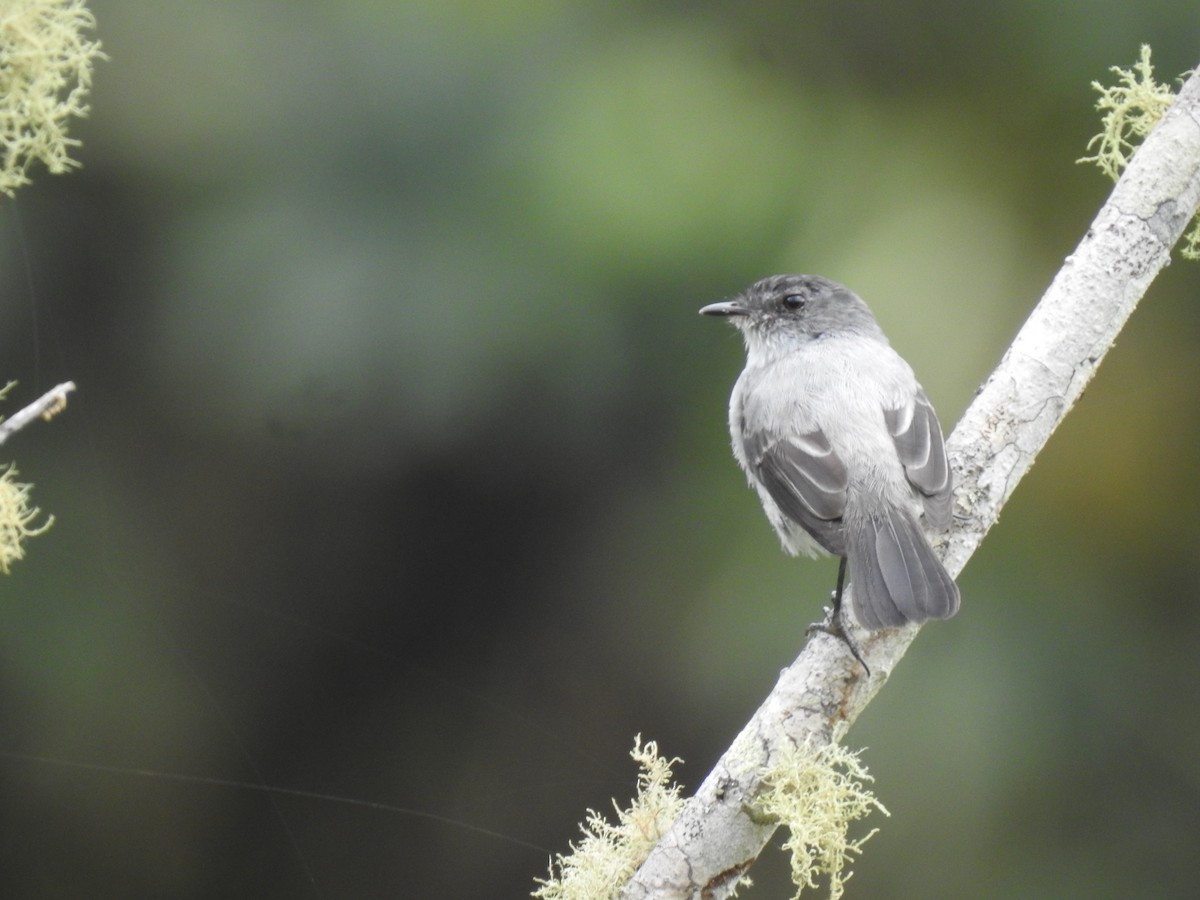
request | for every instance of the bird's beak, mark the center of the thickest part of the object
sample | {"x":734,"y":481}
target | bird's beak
{"x":724,"y":308}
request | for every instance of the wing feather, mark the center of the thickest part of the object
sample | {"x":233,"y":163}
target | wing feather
{"x":922,"y":450}
{"x":806,"y":479}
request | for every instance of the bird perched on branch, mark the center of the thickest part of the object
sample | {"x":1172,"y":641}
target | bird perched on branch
{"x":843,"y":447}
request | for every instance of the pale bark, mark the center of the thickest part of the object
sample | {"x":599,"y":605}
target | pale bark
{"x":717,"y":836}
{"x":44,"y":407}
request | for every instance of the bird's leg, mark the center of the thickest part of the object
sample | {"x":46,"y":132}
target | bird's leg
{"x":833,"y":625}
{"x":841,"y":583}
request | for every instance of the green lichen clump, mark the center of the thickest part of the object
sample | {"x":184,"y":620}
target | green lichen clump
{"x":45,"y":75}
{"x":16,"y":518}
{"x":610,"y":853}
{"x":1131,"y":109}
{"x":816,"y":793}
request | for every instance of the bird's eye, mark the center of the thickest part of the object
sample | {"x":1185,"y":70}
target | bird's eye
{"x":793,"y":301}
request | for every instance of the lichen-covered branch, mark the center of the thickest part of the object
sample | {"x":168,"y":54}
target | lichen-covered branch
{"x":720,"y":832}
{"x":18,"y":519}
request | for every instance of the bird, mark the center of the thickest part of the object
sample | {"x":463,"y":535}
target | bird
{"x":842,"y":445}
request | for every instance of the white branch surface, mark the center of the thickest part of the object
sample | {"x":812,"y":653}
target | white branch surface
{"x":46,"y":407}
{"x":717,"y":836}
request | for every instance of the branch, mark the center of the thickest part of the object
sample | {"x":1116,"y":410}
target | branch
{"x":46,"y":406}
{"x":718,"y":835}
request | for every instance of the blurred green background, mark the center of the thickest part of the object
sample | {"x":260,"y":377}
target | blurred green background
{"x":398,"y":468}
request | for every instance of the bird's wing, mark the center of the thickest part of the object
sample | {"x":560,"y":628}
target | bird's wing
{"x":806,"y":479}
{"x":919,"y":444}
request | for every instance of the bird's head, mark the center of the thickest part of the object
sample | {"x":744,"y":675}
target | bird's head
{"x":780,"y":313}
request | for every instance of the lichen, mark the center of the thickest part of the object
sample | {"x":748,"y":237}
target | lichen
{"x":816,"y":792}
{"x":1131,"y":109}
{"x":16,"y":518}
{"x":610,"y":853}
{"x":45,"y":76}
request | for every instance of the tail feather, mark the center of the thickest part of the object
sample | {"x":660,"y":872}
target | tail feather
{"x":895,"y":575}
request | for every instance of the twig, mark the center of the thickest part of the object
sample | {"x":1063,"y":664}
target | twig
{"x":718,"y":835}
{"x":46,"y":406}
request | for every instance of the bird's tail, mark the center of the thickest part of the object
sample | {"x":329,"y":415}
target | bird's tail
{"x":895,"y":575}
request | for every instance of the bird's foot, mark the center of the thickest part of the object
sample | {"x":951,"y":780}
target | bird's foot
{"x":834,"y":627}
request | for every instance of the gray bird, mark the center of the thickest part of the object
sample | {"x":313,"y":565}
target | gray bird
{"x":841,"y":444}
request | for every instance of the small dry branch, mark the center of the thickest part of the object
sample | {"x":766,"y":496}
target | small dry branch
{"x":46,"y":407}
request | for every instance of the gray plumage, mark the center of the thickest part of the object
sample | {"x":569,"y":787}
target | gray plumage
{"x":841,"y":444}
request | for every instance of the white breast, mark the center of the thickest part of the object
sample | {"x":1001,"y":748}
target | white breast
{"x":840,"y":386}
